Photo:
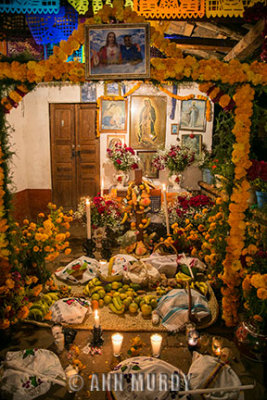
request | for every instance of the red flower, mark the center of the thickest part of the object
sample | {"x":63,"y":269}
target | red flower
{"x":119,"y":178}
{"x":191,"y":135}
{"x":118,"y":161}
{"x":129,"y":149}
{"x":134,"y":166}
{"x":214,"y":166}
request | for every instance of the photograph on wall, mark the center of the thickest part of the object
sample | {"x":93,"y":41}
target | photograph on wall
{"x":146,"y":158}
{"x":88,"y":92}
{"x":174,"y":129}
{"x":112,"y":140}
{"x":112,"y":89}
{"x":113,"y":116}
{"x":193,"y":115}
{"x":192,"y":141}
{"x":148,"y":122}
{"x":117,"y":51}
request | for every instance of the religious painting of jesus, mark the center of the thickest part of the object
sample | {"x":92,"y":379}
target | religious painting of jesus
{"x":148,"y":122}
{"x":117,"y":51}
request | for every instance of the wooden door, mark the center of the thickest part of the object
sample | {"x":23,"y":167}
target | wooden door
{"x":74,"y":153}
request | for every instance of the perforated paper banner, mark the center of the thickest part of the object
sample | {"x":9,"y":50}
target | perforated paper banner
{"x":30,"y":6}
{"x":81,"y":6}
{"x":170,"y":8}
{"x":228,"y":8}
{"x":53,"y":28}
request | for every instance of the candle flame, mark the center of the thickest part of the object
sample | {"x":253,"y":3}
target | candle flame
{"x":96,"y":313}
{"x":164,"y":187}
{"x":87,"y":201}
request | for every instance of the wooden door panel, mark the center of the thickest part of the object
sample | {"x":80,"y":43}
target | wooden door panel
{"x":74,"y":153}
{"x":88,"y":147}
{"x":62,"y":160}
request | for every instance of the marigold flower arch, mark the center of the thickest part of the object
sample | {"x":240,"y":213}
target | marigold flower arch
{"x":163,"y":71}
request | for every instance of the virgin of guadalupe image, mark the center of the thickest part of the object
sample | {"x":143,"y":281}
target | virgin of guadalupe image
{"x":147,"y":119}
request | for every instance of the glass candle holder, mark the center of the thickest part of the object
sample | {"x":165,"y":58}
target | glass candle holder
{"x":156,"y":341}
{"x":217,"y":345}
{"x":193,"y":338}
{"x":117,"y":340}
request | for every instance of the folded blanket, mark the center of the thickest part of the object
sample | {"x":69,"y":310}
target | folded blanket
{"x":173,"y":308}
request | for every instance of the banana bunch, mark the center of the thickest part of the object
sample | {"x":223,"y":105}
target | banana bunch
{"x":181,"y":277}
{"x":91,"y":286}
{"x":202,"y":287}
{"x":41,"y":307}
{"x":117,"y":305}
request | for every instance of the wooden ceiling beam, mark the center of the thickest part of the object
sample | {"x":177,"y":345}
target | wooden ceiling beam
{"x":220,"y":30}
{"x":248,"y":44}
{"x":202,"y":54}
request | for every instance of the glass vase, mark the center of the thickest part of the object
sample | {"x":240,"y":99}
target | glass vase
{"x":251,"y":342}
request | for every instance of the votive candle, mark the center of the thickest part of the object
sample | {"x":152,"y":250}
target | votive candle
{"x":156,"y":341}
{"x":117,"y":340}
{"x":88,"y":218}
{"x":97,"y":320}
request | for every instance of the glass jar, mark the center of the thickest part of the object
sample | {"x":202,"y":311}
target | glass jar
{"x":251,"y":342}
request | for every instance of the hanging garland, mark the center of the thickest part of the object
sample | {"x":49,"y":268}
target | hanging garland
{"x":4,"y":252}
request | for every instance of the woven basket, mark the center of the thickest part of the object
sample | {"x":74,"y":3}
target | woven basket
{"x":212,"y":301}
{"x":109,"y":277}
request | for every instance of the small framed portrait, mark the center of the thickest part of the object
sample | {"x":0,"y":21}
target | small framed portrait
{"x":193,"y":115}
{"x":193,"y":141}
{"x":174,"y":129}
{"x":113,"y":116}
{"x":112,"y":140}
{"x":148,"y":122}
{"x":112,"y":89}
{"x":88,"y":92}
{"x":146,"y":157}
{"x":117,"y":51}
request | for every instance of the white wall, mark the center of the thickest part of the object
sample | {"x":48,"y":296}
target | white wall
{"x":31,"y":137}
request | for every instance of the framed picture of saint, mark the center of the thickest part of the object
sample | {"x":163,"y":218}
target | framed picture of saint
{"x":113,"y":116}
{"x":193,"y":115}
{"x":148,"y":122}
{"x":193,"y":142}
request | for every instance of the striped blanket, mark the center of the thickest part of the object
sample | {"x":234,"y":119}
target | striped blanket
{"x":173,"y":308}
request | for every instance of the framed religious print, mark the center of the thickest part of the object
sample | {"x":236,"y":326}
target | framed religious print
{"x":112,"y":88}
{"x":148,"y":122}
{"x":193,"y":115}
{"x":112,"y":140}
{"x":174,"y":129}
{"x":192,"y":141}
{"x":146,"y":157}
{"x":117,"y":51}
{"x":113,"y":116}
{"x":88,"y":92}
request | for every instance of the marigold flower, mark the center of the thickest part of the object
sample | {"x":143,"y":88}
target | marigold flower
{"x":262,"y":294}
{"x":23,"y":312}
{"x":26,"y":222}
{"x":35,"y":249}
{"x":257,"y":318}
{"x":4,"y":324}
{"x":67,"y":251}
{"x":41,"y":215}
{"x":10,"y":283}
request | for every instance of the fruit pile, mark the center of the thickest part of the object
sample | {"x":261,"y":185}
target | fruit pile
{"x":40,"y":309}
{"x":182,"y":280}
{"x":121,"y":298}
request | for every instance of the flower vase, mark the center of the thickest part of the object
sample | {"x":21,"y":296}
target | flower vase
{"x":251,"y":342}
{"x":121,"y":179}
{"x":175,"y":181}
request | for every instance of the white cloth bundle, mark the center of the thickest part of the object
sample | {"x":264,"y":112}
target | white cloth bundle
{"x":190,"y":261}
{"x":165,"y":264}
{"x":146,"y":367}
{"x":80,"y":270}
{"x":142,"y":273}
{"x":173,"y":308}
{"x":121,"y":263}
{"x":202,"y":367}
{"x":29,"y":373}
{"x":71,"y":310}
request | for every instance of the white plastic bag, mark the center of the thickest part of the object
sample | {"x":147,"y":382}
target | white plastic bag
{"x":29,"y":373}
{"x":80,"y":270}
{"x":71,"y":310}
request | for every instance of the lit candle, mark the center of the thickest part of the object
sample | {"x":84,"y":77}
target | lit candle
{"x":88,"y":218}
{"x":217,"y":345}
{"x":102,"y":187}
{"x":166,"y":208}
{"x":117,"y":339}
{"x":193,"y":337}
{"x":97,"y":322}
{"x":156,"y":341}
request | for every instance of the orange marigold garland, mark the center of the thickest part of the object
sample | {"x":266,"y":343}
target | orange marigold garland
{"x":239,"y":202}
{"x":4,"y":252}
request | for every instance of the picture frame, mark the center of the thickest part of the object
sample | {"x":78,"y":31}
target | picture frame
{"x":193,"y":115}
{"x":112,"y":88}
{"x":114,"y":139}
{"x":148,"y":122}
{"x":117,"y":51}
{"x":174,"y":129}
{"x":113,"y":116}
{"x":88,"y":92}
{"x":193,"y":141}
{"x":146,"y":157}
